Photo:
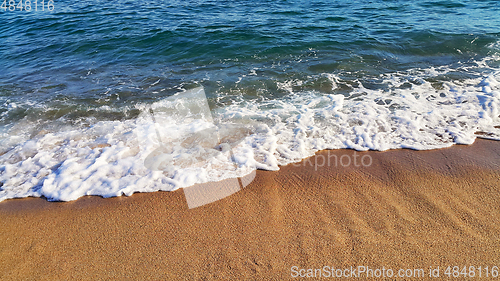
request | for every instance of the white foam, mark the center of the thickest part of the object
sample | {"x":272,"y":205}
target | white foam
{"x":108,"y":158}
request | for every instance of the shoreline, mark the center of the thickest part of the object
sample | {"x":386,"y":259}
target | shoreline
{"x":402,"y":211}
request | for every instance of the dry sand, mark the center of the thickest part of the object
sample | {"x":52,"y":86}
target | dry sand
{"x":409,"y":209}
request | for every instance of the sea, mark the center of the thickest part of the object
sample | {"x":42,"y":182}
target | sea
{"x":110,"y":98}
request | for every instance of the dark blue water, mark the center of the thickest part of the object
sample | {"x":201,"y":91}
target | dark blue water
{"x":78,"y":86}
{"x":85,"y":54}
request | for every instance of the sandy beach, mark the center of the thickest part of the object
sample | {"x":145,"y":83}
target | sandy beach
{"x":147,"y":140}
{"x":406,"y":210}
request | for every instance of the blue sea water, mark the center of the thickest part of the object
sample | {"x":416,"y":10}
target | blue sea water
{"x":76,"y":83}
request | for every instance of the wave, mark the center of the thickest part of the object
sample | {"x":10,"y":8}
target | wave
{"x":421,"y":108}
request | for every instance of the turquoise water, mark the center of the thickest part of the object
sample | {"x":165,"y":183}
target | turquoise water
{"x":323,"y":74}
{"x":88,"y":53}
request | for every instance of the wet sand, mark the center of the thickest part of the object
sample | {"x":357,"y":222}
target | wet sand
{"x":407,"y":210}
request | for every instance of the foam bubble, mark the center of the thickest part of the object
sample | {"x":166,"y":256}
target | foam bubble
{"x":418,"y":109}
